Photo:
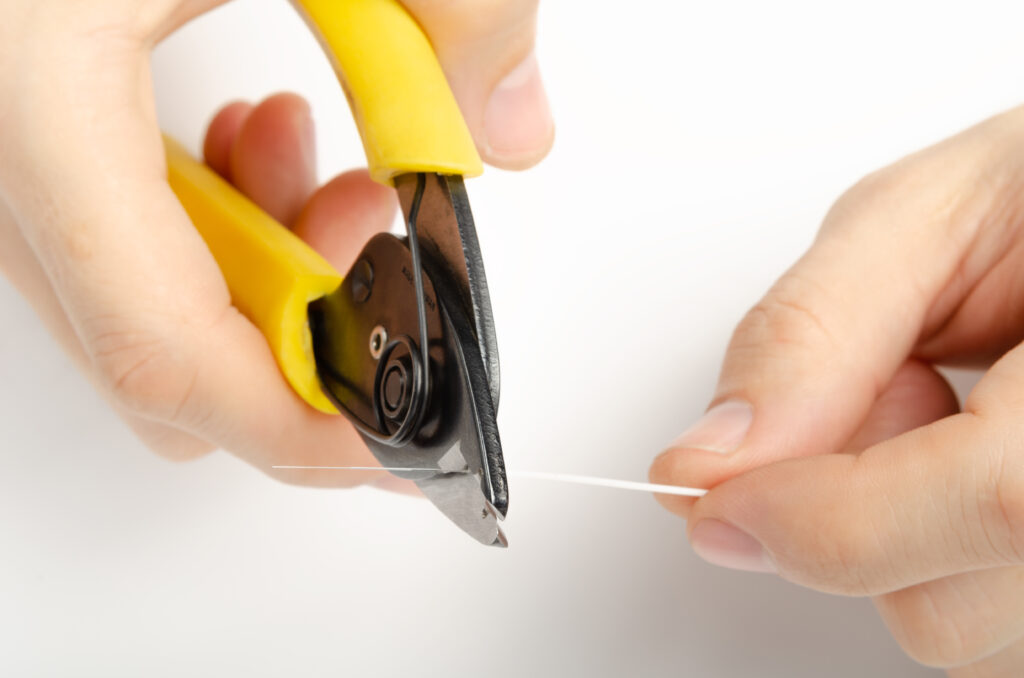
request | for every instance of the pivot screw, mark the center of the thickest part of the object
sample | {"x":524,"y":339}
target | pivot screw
{"x":378,"y":340}
{"x":396,"y":389}
{"x":361,"y":276}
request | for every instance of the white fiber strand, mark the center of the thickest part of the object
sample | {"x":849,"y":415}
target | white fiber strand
{"x":397,"y":469}
{"x":611,"y":482}
{"x":573,"y":478}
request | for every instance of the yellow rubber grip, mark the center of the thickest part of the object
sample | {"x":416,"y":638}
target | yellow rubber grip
{"x":409,"y":122}
{"x":407,"y":116}
{"x":271,"y":273}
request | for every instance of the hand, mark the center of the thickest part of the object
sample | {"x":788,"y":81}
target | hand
{"x":838,"y":456}
{"x":92,"y":235}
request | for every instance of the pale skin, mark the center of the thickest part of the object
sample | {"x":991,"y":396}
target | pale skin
{"x":841,"y":452}
{"x":839,"y":457}
{"x":94,"y":238}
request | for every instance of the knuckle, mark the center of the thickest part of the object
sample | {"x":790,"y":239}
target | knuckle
{"x":151,"y":374}
{"x":168,"y":442}
{"x":920,"y":194}
{"x":848,"y":559}
{"x":936,"y":640}
{"x":180,"y":448}
{"x":871,"y":189}
{"x":835,"y":555}
{"x":982,"y":504}
{"x":839,"y":549}
{"x":1006,"y":501}
{"x":788,"y":315}
{"x":880,"y":192}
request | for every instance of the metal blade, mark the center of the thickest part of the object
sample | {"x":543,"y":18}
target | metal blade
{"x":472,"y":488}
{"x":480,"y":443}
{"x":427,"y":400}
{"x":458,"y":497}
{"x":448,"y":234}
{"x":459,"y":433}
{"x":452,"y":258}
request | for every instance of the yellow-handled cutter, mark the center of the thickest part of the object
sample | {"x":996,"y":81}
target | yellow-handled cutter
{"x":404,"y":344}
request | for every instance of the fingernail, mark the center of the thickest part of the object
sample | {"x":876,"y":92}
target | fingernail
{"x":722,"y":544}
{"x":722,"y":429}
{"x":517,"y":118}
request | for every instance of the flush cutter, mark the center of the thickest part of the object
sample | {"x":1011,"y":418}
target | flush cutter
{"x":403,"y":345}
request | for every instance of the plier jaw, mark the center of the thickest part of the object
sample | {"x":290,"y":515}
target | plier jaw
{"x":405,"y":348}
{"x":404,"y":345}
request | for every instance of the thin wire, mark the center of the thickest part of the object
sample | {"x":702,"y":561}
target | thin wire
{"x":572,"y":478}
{"x":398,"y":469}
{"x":417,"y":276}
{"x":634,"y":485}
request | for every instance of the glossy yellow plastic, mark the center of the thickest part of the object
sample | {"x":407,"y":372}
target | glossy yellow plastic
{"x":272,"y":274}
{"x":409,"y":122}
{"x":407,"y":116}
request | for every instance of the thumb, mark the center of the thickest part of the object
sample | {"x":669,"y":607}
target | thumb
{"x":936,"y":501}
{"x":917,"y":396}
{"x":486,"y":50}
{"x":806,"y":365}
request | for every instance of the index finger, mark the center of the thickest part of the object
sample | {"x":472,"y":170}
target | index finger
{"x":85,"y":177}
{"x":808,"y":361}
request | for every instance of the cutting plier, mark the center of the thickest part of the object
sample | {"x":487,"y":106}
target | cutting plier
{"x":403,"y":345}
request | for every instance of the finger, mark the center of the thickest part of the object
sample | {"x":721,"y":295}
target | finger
{"x":19,"y":265}
{"x":344,"y":214}
{"x":166,"y":441}
{"x":989,"y":316}
{"x":221,"y":135}
{"x":137,"y":282}
{"x":272,"y":157}
{"x":933,"y":502}
{"x":917,"y":395}
{"x":953,"y":620}
{"x":392,"y":483}
{"x":979,"y":315}
{"x":336,"y":221}
{"x":805,"y":366}
{"x":1004,"y":664}
{"x":486,"y":50}
{"x":338,"y":218}
{"x":957,"y":620}
{"x":253,"y":143}
{"x":963,"y":618}
{"x":257,"y":143}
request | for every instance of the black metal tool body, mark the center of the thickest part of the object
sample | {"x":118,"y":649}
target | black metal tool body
{"x":405,"y":348}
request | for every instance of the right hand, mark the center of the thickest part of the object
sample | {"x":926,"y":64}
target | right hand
{"x":93,"y":237}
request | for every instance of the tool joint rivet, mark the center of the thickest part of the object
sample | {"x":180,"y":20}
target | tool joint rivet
{"x":378,"y":340}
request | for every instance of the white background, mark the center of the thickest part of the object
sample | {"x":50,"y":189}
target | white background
{"x":699,"y":145}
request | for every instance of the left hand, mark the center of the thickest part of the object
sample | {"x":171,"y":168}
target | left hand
{"x":838,"y":457}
